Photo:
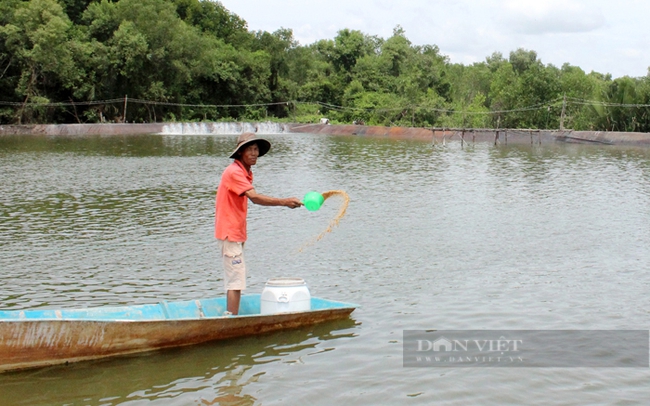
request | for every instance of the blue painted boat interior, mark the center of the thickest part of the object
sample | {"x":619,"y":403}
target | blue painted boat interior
{"x":164,"y":310}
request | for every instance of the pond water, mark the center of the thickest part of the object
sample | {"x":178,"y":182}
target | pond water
{"x":436,"y":237}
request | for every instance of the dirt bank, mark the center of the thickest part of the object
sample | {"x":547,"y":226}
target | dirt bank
{"x":477,"y":135}
{"x":425,"y":134}
{"x":81,"y":129}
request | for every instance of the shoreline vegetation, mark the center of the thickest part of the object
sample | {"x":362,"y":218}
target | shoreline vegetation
{"x":153,"y":61}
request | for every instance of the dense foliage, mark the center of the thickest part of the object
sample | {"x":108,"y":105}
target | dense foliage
{"x":71,"y":61}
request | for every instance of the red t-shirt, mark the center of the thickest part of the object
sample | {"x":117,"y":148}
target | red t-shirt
{"x":231,"y":204}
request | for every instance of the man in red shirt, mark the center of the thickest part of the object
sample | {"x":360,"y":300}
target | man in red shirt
{"x":233,"y":193}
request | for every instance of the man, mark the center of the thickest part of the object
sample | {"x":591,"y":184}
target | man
{"x":233,"y":193}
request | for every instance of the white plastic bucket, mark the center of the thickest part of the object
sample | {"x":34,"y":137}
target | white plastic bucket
{"x":282,"y":295}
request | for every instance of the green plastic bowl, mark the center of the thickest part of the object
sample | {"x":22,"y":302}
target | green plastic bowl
{"x":313,"y":201}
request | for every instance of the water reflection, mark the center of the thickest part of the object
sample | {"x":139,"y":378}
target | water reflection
{"x":118,"y":145}
{"x":211,"y":373}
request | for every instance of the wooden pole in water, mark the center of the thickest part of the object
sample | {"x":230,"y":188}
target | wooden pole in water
{"x":125,"y":100}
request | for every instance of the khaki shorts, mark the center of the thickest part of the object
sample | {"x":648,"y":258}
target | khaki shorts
{"x":234,"y":266}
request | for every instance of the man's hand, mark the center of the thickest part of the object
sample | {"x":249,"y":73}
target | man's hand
{"x":293,"y":202}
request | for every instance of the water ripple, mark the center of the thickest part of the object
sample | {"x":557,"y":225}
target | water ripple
{"x":435,"y":237}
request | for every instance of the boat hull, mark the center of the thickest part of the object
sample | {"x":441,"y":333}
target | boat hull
{"x":36,"y":343}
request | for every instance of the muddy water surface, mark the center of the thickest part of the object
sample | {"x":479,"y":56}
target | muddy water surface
{"x":434,"y":237}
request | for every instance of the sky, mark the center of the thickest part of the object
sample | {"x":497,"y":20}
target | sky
{"x":606,"y":36}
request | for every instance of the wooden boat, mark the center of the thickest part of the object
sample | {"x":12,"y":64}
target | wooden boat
{"x":36,"y":338}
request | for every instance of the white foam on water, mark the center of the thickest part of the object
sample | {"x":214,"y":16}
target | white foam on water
{"x":223,"y":128}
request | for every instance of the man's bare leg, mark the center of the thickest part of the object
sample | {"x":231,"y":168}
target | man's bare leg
{"x":233,"y":297}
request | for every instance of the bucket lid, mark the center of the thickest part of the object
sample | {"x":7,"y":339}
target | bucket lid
{"x":285,"y":282}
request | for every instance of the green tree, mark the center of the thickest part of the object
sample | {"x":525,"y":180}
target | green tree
{"x":521,"y":90}
{"x":349,"y":46}
{"x":75,"y":9}
{"x":523,"y":60}
{"x":277,"y":45}
{"x":578,"y":87}
{"x":38,"y":38}
{"x":212,"y":17}
{"x":395,"y":52}
{"x":198,"y":54}
{"x":621,"y":91}
{"x":153,"y":53}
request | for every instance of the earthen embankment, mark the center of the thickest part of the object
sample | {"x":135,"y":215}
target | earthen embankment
{"x":501,"y":136}
{"x":81,"y":129}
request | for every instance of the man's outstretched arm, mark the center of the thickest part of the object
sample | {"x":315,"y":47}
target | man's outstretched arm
{"x":263,"y":200}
